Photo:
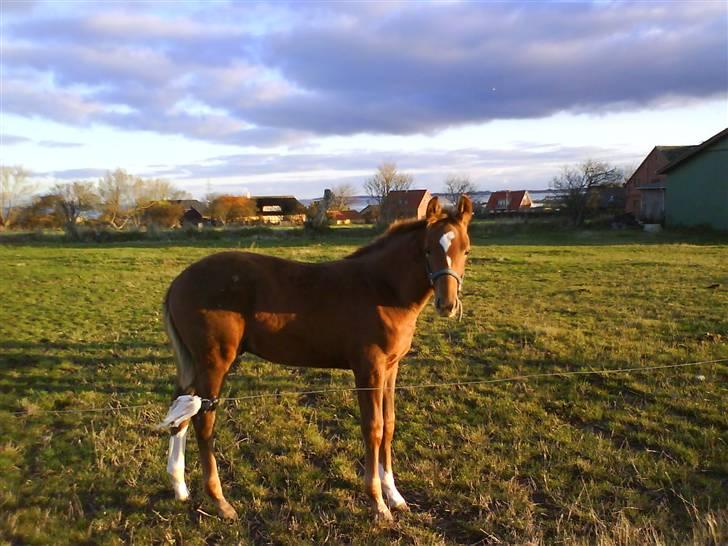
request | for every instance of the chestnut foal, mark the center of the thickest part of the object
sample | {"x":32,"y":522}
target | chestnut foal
{"x":358,"y":313}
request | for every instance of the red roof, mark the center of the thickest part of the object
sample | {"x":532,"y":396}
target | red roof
{"x":407,"y":198}
{"x":350,"y":215}
{"x":509,"y":200}
{"x":405,"y":203}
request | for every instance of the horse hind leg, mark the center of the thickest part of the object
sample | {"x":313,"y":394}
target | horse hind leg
{"x":178,"y":420}
{"x":176,"y":460}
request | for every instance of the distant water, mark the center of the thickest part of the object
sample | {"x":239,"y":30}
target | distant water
{"x":359,"y":202}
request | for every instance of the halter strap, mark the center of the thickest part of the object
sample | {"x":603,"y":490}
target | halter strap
{"x":447,"y":271}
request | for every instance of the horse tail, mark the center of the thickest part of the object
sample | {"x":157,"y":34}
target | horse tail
{"x":182,"y":355}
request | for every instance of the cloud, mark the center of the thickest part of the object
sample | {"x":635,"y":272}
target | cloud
{"x":74,"y":174}
{"x":12,"y":140}
{"x":59,"y":144}
{"x":264,"y":75}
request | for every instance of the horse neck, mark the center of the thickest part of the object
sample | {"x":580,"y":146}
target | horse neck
{"x":400,"y":267}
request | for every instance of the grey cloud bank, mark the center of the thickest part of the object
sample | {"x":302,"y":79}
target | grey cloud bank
{"x":265,"y":75}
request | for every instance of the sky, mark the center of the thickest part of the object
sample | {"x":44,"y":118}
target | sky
{"x":293,"y":97}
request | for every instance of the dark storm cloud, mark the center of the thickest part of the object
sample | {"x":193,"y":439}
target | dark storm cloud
{"x":266,"y":74}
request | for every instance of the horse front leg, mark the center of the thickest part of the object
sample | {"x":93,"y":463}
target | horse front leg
{"x":209,"y":385}
{"x":372,"y":428}
{"x":386,"y":476}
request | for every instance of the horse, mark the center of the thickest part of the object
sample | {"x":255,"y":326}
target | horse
{"x":357,"y":313}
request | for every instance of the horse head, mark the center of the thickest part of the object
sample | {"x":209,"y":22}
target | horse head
{"x":446,"y":248}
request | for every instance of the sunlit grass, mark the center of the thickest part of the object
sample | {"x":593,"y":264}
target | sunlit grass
{"x":613,"y":459}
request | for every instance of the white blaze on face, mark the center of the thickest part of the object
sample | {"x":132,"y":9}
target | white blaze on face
{"x":445,"y":242}
{"x":388,"y":488}
{"x":176,"y":463}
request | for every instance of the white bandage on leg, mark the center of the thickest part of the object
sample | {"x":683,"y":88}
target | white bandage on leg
{"x":176,"y":463}
{"x":182,"y":408}
{"x":389,"y":489}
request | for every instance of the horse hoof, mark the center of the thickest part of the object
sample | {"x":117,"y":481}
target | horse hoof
{"x":226,"y":511}
{"x":383,"y":515}
{"x":401,"y":507}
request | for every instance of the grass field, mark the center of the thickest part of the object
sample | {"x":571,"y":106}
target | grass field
{"x":625,"y":458}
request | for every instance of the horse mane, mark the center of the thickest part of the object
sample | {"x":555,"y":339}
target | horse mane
{"x":400,"y":227}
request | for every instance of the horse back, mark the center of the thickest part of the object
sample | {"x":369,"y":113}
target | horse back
{"x":323,"y":315}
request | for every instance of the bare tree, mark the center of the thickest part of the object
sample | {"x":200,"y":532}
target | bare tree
{"x":14,"y":189}
{"x":126,"y":197}
{"x":115,"y":189}
{"x":73,"y":199}
{"x":576,"y":185}
{"x":387,"y":179}
{"x":341,"y":197}
{"x":457,"y":185}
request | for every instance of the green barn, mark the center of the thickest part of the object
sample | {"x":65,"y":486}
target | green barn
{"x":697,"y":185}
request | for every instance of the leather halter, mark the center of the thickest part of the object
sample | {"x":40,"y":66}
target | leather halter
{"x":447,"y":271}
{"x":441,"y":273}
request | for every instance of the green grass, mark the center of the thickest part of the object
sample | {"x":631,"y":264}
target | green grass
{"x":627,"y":459}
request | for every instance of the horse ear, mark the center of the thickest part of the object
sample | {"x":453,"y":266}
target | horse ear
{"x":434,"y":210}
{"x":465,"y":209}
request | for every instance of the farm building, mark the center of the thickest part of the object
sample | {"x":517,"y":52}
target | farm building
{"x":345,"y":217}
{"x":645,"y":189}
{"x":277,"y":209}
{"x":191,"y":217}
{"x":370,"y":214}
{"x":406,"y":204}
{"x":697,"y":185}
{"x":508,"y":201}
{"x":193,"y":211}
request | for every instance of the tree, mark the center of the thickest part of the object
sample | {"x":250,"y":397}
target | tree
{"x":457,"y":185}
{"x":14,"y":189}
{"x":43,"y":212}
{"x":341,"y":196}
{"x":115,"y":190}
{"x":386,"y":180}
{"x":576,"y":185}
{"x":164,"y":214}
{"x":73,"y":199}
{"x":125,"y":197}
{"x":231,"y":208}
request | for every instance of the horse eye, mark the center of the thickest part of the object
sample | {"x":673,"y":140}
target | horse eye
{"x":427,"y":252}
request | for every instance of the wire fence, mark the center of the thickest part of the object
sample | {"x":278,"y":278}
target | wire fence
{"x":450,"y":384}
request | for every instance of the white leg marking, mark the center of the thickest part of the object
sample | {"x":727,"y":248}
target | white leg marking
{"x":176,"y":463}
{"x":388,"y":488}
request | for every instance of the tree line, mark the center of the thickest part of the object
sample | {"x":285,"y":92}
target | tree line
{"x":121,"y":200}
{"x":117,"y":200}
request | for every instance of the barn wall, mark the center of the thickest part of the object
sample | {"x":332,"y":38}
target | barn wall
{"x":645,"y":173}
{"x":697,"y":190}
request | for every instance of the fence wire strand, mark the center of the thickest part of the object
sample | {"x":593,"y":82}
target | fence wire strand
{"x":451,"y":384}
